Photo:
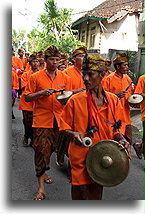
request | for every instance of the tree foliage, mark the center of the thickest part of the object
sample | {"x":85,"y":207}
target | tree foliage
{"x":18,"y":39}
{"x":54,"y":28}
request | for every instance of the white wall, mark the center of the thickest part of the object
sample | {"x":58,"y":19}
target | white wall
{"x":121,"y":35}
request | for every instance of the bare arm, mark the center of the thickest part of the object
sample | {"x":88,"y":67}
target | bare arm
{"x":34,"y":96}
{"x":76,"y":136}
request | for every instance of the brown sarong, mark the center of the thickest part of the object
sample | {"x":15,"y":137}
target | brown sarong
{"x":44,"y":144}
{"x":128,"y":133}
{"x":87,"y":192}
{"x":27,"y":121}
{"x":62,"y":147}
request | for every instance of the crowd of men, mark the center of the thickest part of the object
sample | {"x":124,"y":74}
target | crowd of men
{"x":99,"y":99}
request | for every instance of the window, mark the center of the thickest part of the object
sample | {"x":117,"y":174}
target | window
{"x":83,"y":38}
{"x":92,"y":40}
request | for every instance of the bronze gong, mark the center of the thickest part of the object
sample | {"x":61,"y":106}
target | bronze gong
{"x":107,"y":163}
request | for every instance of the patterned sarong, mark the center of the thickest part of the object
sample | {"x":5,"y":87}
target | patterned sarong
{"x":44,"y":144}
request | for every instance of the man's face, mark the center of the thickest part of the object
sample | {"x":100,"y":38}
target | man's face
{"x":41,"y":59}
{"x":35,"y":64}
{"x":78,"y":59}
{"x":52,"y":63}
{"x":123,"y":68}
{"x":21,"y":53}
{"x":91,"y":79}
{"x":107,"y":66}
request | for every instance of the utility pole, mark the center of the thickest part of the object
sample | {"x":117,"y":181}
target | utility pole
{"x":26,"y":22}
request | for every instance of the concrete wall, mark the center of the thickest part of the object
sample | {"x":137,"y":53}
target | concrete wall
{"x":120,"y":35}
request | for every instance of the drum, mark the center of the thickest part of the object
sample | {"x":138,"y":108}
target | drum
{"x":107,"y":163}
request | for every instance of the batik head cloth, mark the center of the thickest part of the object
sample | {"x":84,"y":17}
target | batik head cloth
{"x":121,"y":58}
{"x":94,"y":62}
{"x":79,"y":50}
{"x":52,"y":51}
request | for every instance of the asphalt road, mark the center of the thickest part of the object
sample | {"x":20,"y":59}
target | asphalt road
{"x":24,"y":182}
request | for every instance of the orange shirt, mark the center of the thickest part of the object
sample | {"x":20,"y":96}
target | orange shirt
{"x":15,"y":84}
{"x":75,"y":117}
{"x":47,"y":107}
{"x":17,"y":63}
{"x":140,"y":90}
{"x":28,"y":67}
{"x":109,"y":72}
{"x":27,"y":106}
{"x":114,"y":83}
{"x":24,"y":61}
{"x":76,"y":77}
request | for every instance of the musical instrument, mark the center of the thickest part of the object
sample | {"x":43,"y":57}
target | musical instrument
{"x":128,"y":86}
{"x":107,"y":163}
{"x":64,"y":96}
{"x":59,"y":90}
{"x":87,"y":142}
{"x":135,"y":99}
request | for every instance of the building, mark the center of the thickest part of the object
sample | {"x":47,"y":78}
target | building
{"x":114,"y":24}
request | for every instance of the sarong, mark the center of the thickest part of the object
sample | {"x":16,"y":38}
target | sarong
{"x":27,"y":121}
{"x":44,"y":144}
{"x":62,"y":147}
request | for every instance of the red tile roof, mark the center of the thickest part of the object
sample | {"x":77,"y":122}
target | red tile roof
{"x":110,"y":7}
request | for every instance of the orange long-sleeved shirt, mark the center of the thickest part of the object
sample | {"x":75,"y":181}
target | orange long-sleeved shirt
{"x":140,"y":90}
{"x":17,"y":63}
{"x":47,"y":107}
{"x":76,"y":77}
{"x":15,"y":83}
{"x":75,"y":118}
{"x":27,"y":106}
{"x":114,"y":83}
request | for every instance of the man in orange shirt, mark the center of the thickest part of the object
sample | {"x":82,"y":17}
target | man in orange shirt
{"x":27,"y":108}
{"x":140,"y":89}
{"x":108,"y":63}
{"x":84,"y":111}
{"x":18,"y":66}
{"x":15,"y":86}
{"x":74,"y":71}
{"x":16,"y":63}
{"x":63,"y":63}
{"x":119,"y":83}
{"x":21,"y":53}
{"x":46,"y":113}
{"x":41,"y":60}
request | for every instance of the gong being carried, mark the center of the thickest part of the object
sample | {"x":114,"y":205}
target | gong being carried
{"x":64,"y":96}
{"x":135,"y":99}
{"x":107,"y":163}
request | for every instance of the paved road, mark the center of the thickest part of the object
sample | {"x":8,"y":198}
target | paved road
{"x":24,"y":182}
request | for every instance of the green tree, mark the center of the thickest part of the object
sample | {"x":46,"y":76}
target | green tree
{"x":18,"y":39}
{"x":56,"y":26}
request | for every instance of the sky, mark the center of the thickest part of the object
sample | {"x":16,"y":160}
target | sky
{"x":35,"y":8}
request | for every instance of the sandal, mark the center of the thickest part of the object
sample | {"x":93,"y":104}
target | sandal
{"x":39,"y":196}
{"x":48,"y":180}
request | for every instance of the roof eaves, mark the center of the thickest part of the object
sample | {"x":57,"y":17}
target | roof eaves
{"x":79,"y":21}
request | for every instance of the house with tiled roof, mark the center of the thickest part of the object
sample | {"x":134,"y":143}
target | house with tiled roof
{"x":114,"y":24}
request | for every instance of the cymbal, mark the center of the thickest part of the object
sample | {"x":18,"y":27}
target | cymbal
{"x":135,"y":99}
{"x":64,"y":96}
{"x":107,"y":163}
